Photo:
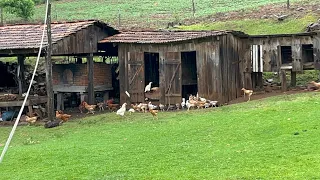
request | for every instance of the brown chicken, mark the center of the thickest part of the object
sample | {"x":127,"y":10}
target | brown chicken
{"x":81,"y":107}
{"x":111,"y":106}
{"x":31,"y":120}
{"x":90,"y":108}
{"x":154,"y":113}
{"x":315,"y":84}
{"x":247,"y":92}
{"x":64,"y":117}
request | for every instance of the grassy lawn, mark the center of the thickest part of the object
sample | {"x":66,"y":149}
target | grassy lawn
{"x":252,"y":140}
{"x":258,"y":26}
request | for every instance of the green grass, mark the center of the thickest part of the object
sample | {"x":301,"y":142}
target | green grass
{"x":252,"y":140}
{"x":136,"y":11}
{"x":259,"y":26}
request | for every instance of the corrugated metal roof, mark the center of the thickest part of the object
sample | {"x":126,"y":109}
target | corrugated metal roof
{"x":143,"y":37}
{"x":28,"y":36}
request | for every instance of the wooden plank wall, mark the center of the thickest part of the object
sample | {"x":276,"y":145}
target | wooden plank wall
{"x":82,"y":42}
{"x":316,"y":51}
{"x":270,"y":49}
{"x":220,"y":65}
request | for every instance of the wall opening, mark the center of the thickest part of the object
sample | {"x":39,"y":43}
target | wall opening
{"x":189,"y":73}
{"x":307,"y":53}
{"x":151,"y":68}
{"x":286,"y":54}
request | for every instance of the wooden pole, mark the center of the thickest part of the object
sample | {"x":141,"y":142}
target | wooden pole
{"x":193,"y":8}
{"x":119,"y":18}
{"x":288,"y":4}
{"x":90,"y":79}
{"x":293,"y":79}
{"x":50,"y":95}
{"x":20,"y":74}
{"x":1,"y":16}
{"x":283,"y":81}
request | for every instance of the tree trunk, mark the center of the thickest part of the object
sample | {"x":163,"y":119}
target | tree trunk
{"x":288,"y":4}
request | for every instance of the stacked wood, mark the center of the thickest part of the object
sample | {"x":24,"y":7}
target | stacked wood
{"x":8,"y":97}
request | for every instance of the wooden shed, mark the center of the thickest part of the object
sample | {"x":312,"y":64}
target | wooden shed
{"x":281,"y":53}
{"x":77,"y":39}
{"x":180,"y":63}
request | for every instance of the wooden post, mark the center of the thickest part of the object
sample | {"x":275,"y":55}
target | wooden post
{"x":193,"y":8}
{"x":293,"y":79}
{"x":90,"y":79}
{"x":162,"y":79}
{"x":119,"y":18}
{"x":50,"y":102}
{"x":288,"y":4}
{"x":283,"y":81}
{"x":59,"y":101}
{"x":20,"y":75}
{"x":1,"y":16}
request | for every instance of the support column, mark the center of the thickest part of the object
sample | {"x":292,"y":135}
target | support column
{"x":293,"y":79}
{"x":20,"y":74}
{"x":90,"y":90}
{"x":60,"y":102}
{"x":50,"y":102}
{"x":283,"y":81}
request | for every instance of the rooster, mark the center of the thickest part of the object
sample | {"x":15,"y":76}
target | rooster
{"x":64,"y":117}
{"x":90,"y":108}
{"x":154,"y":113}
{"x":183,"y":103}
{"x":122,"y":110}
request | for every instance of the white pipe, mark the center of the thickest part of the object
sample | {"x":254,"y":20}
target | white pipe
{"x":30,"y":85}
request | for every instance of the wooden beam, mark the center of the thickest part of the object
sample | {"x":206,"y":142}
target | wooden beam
{"x":283,"y":81}
{"x":50,"y":102}
{"x":90,"y":79}
{"x":293,"y":79}
{"x":20,"y":74}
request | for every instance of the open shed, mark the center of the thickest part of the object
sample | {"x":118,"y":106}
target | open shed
{"x":180,"y":63}
{"x":78,"y":39}
{"x":281,"y":53}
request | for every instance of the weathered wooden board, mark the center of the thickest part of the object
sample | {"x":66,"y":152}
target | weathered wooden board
{"x":136,"y":78}
{"x":316,"y":52}
{"x":297,"y":64}
{"x":172,"y":71}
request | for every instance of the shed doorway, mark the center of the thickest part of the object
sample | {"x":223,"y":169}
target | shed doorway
{"x":151,"y":74}
{"x":189,"y":73}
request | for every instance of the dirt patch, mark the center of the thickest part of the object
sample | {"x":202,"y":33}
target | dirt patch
{"x":260,"y":95}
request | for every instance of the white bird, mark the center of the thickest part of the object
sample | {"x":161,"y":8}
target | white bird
{"x":151,"y":106}
{"x":183,"y":104}
{"x":213,"y":103}
{"x":203,"y":99}
{"x":127,"y":93}
{"x":148,"y":87}
{"x":122,"y":110}
{"x":189,"y":105}
{"x":161,"y":106}
{"x":131,"y":110}
{"x":206,"y":105}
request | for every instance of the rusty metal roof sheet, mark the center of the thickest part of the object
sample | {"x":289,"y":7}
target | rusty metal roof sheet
{"x":28,"y":36}
{"x":144,"y":37}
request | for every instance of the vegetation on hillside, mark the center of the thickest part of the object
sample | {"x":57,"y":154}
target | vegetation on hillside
{"x":274,"y":138}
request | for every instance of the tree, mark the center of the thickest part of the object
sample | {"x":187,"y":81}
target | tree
{"x":21,"y":8}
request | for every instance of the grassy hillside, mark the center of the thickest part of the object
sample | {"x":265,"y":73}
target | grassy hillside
{"x":275,"y":138}
{"x":259,"y":26}
{"x":148,"y":12}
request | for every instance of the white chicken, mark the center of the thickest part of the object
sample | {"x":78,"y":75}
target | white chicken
{"x":122,"y":110}
{"x":131,"y":110}
{"x":183,"y":103}
{"x":151,"y":106}
{"x":161,"y":107}
{"x":189,"y":105}
{"x":148,"y":87}
{"x":203,"y":99}
{"x":213,"y":103}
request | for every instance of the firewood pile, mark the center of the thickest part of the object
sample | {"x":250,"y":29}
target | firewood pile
{"x":8,"y":97}
{"x":38,"y":84}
